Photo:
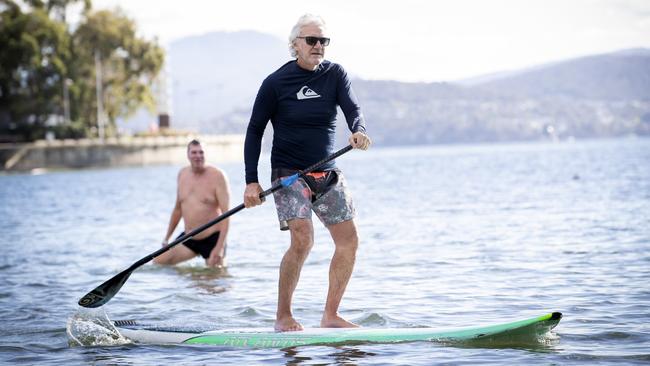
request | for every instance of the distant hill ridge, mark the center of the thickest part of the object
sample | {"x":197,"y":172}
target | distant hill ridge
{"x":615,"y":76}
{"x":216,"y":76}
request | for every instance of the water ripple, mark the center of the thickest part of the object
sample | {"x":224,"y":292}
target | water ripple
{"x":476,"y":235}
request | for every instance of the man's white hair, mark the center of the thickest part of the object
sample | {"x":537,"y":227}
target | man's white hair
{"x":304,"y":20}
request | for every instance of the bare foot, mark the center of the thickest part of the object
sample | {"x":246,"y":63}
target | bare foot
{"x":329,"y":321}
{"x":288,"y":324}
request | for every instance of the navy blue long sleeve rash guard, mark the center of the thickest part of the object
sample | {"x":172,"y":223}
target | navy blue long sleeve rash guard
{"x":301,"y":106}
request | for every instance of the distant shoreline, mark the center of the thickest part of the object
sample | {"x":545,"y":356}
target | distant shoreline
{"x":122,"y":151}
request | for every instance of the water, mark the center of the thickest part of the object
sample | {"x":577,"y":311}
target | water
{"x":451,"y":236}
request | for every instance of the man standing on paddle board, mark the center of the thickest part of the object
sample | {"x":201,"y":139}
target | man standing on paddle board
{"x":202,"y":195}
{"x":300,"y":99}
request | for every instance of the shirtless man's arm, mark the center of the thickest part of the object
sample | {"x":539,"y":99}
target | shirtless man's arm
{"x":222,"y":192}
{"x":176,"y":215}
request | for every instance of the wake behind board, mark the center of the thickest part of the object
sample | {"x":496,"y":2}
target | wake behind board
{"x":520,"y":331}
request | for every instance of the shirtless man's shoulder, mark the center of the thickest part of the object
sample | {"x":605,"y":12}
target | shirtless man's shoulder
{"x":215,"y":172}
{"x":184,"y":171}
{"x":214,"y":169}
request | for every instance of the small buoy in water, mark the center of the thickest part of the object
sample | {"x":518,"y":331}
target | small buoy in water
{"x":38,"y":171}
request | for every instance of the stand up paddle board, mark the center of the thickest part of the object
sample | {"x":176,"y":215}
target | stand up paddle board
{"x":526,"y":330}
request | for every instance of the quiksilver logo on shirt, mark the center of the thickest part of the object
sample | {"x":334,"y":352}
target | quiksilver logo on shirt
{"x":306,"y":93}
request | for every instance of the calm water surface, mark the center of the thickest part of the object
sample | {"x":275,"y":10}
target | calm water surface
{"x":451,"y":236}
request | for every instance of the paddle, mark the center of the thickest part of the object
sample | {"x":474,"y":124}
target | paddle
{"x":105,"y":292}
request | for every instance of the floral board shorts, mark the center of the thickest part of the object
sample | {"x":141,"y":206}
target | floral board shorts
{"x":325,"y":193}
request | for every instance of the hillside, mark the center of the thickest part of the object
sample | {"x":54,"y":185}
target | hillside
{"x":216,"y":76}
{"x":596,"y":96}
{"x":616,"y":76}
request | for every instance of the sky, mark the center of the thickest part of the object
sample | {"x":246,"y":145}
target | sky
{"x":417,"y":40}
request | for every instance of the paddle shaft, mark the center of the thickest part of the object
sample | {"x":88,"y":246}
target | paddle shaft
{"x":104,"y":292}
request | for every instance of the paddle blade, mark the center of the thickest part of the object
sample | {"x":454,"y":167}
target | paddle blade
{"x":105,"y":292}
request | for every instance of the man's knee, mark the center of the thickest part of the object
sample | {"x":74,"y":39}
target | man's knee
{"x":162,"y":260}
{"x":351,"y":242}
{"x":169,"y":258}
{"x":302,"y":236}
{"x":345,"y":235}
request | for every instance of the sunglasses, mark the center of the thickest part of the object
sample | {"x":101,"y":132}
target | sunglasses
{"x":310,"y":40}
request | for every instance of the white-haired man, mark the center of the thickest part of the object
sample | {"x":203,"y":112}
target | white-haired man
{"x":300,"y":100}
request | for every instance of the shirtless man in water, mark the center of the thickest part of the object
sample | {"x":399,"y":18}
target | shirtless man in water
{"x":202,"y":195}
